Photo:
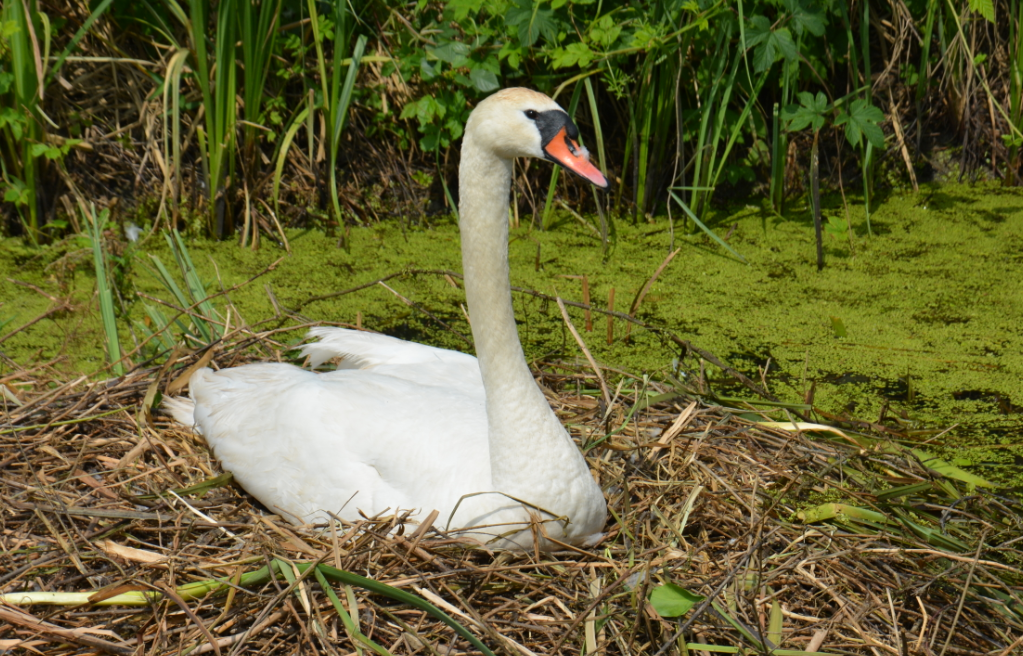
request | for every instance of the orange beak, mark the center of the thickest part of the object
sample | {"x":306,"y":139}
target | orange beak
{"x":574,"y":157}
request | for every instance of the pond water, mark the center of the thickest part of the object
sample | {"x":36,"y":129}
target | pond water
{"x":919,"y":325}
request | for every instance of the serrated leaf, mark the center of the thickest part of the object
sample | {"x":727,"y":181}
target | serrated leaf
{"x":576,"y":54}
{"x":37,"y":149}
{"x":806,"y":17}
{"x":460,"y":9}
{"x":985,"y":8}
{"x":758,"y":31}
{"x":809,"y":112}
{"x":670,"y":600}
{"x":484,"y":80}
{"x":452,"y":52}
{"x":511,"y":53}
{"x":860,"y":120}
{"x":427,"y":70}
{"x":783,"y":42}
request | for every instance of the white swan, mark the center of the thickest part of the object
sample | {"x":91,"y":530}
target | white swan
{"x":405,"y":426}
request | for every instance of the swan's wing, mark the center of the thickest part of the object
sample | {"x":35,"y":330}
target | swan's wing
{"x":388,"y":356}
{"x":304,"y":443}
{"x":363,"y":350}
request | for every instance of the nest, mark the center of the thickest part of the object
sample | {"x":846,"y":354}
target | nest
{"x":763,"y":535}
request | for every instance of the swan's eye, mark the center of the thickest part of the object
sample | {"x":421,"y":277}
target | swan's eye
{"x":532,"y":114}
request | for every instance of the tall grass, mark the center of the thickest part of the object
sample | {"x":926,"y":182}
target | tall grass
{"x":96,"y":223}
{"x":337,"y":94}
{"x":1015,"y":141}
{"x":25,"y":73}
{"x":217,"y":140}
{"x":682,"y":96}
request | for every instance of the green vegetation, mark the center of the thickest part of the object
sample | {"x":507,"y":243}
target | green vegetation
{"x":914,"y":327}
{"x":342,"y":105}
{"x":740,"y":137}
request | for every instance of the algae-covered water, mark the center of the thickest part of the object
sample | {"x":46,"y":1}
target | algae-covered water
{"x":919,"y":324}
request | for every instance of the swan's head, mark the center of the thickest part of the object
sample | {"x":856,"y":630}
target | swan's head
{"x":524,"y":123}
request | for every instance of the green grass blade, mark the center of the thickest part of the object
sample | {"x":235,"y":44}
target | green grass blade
{"x":73,"y":43}
{"x":775,"y":624}
{"x":710,"y":233}
{"x":598,"y":135}
{"x":106,"y":298}
{"x":739,"y":626}
{"x":282,"y":154}
{"x":335,"y":574}
{"x":338,"y":111}
{"x":161,"y":324}
{"x":354,"y":634}
{"x":196,"y":289}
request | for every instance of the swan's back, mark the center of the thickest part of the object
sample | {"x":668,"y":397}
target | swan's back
{"x":387,"y":430}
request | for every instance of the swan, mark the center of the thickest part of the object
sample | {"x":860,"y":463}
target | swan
{"x":406,"y":426}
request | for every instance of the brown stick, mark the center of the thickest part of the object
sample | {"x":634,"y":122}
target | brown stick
{"x":55,"y":633}
{"x":646,"y":288}
{"x":586,"y":351}
{"x":53,"y":310}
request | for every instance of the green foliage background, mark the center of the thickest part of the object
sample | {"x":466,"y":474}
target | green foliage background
{"x":686,"y":98}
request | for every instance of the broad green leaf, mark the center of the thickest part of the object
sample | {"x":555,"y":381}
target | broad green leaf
{"x":452,"y":52}
{"x":758,"y":31}
{"x":861,"y":120}
{"x":806,"y":16}
{"x":670,"y":600}
{"x":427,"y":70}
{"x":531,"y":22}
{"x":38,"y":149}
{"x":576,"y":54}
{"x":605,"y":31}
{"x":484,"y":80}
{"x":809,"y":113}
{"x":985,"y":8}
{"x":511,"y":53}
{"x":460,"y":9}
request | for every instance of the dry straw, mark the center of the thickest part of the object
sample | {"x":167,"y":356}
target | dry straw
{"x":700,"y":497}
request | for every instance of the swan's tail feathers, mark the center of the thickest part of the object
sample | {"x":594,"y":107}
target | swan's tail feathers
{"x":181,"y":409}
{"x":364,"y":350}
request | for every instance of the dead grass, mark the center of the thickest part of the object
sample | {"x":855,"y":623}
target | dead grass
{"x":699,"y":495}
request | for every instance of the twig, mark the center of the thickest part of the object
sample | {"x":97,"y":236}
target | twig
{"x":586,"y":352}
{"x":966,"y":591}
{"x":21,"y":618}
{"x":412,"y":304}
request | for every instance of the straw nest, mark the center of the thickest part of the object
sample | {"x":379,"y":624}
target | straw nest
{"x":95,"y":497}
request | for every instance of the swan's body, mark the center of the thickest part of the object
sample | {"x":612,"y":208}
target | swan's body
{"x":404,"y":426}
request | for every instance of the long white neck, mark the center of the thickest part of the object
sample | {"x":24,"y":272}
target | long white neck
{"x":531,"y":455}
